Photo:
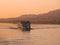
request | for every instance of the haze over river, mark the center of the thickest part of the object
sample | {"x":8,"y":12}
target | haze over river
{"x":40,"y":34}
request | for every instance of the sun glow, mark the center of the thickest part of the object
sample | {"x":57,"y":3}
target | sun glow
{"x":15,"y":8}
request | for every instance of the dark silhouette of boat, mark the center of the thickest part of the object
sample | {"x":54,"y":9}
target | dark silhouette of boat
{"x":24,"y":25}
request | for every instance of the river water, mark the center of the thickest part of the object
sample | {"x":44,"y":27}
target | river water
{"x":40,"y":34}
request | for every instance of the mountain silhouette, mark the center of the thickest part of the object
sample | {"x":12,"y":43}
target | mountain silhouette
{"x":52,"y":17}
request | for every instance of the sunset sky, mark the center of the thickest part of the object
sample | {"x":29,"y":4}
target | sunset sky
{"x":15,"y":8}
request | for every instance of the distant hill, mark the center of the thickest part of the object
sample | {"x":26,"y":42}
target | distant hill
{"x":52,"y":17}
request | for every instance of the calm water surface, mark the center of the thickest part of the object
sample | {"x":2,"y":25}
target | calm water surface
{"x":39,"y":35}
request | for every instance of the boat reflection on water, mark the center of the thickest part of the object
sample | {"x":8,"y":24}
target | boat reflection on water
{"x":40,"y":34}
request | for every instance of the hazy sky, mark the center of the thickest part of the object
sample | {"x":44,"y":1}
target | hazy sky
{"x":15,"y":8}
